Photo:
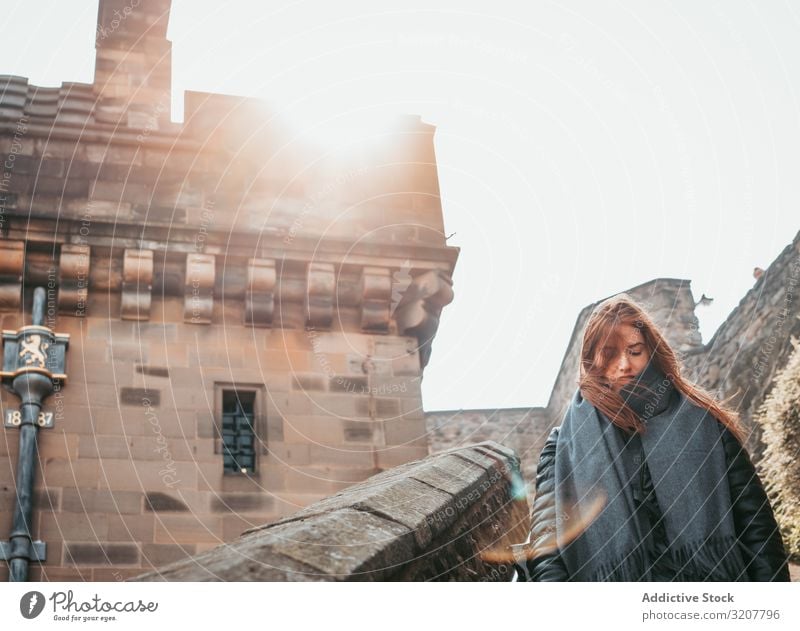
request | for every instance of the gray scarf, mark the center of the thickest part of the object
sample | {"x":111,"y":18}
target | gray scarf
{"x":686,"y":459}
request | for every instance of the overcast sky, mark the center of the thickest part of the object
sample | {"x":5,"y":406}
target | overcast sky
{"x":583,"y":147}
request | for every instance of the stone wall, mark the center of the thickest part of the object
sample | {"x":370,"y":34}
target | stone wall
{"x":740,"y":361}
{"x":749,"y":349}
{"x":187,"y":259}
{"x":669,"y":302}
{"x":132,"y":473}
{"x":437,"y":519}
{"x":525,"y":430}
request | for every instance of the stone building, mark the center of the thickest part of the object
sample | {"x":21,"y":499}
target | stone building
{"x":670,"y":303}
{"x":738,"y":363}
{"x":248,"y":317}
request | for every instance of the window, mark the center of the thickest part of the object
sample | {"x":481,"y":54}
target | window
{"x":238,"y":431}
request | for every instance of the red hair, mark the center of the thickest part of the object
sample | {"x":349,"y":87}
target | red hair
{"x":603,"y":326}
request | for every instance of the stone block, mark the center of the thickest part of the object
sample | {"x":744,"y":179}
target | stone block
{"x":289,"y":453}
{"x":387,"y":408}
{"x":56,"y":443}
{"x":234,"y":525}
{"x":159,"y":502}
{"x":453,"y":475}
{"x":405,"y":365}
{"x":395,"y":387}
{"x":65,"y":472}
{"x":43,"y":499}
{"x":60,"y":574}
{"x":143,"y":421}
{"x":73,"y":526}
{"x":139,"y":397}
{"x":275,"y":425}
{"x":103,"y":374}
{"x":266,"y":477}
{"x":349,"y":384}
{"x":390,"y":456}
{"x":412,"y":432}
{"x":127,"y":475}
{"x":241,"y":503}
{"x":87,"y":500}
{"x":302,"y":430}
{"x":349,"y":457}
{"x":340,"y":342}
{"x":389,"y":347}
{"x":105,"y":446}
{"x":412,"y":408}
{"x":189,"y":529}
{"x":346,"y":406}
{"x":345,"y":544}
{"x":303,"y":381}
{"x":207,"y":427}
{"x":101,"y":554}
{"x":362,"y":431}
{"x":109,"y":575}
{"x":425,"y":511}
{"x":131,"y":527}
{"x":287,"y":361}
{"x":8,"y":471}
{"x":321,"y":480}
{"x":158,"y":554}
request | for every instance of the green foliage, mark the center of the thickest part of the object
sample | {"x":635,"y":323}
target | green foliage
{"x":779,"y":417}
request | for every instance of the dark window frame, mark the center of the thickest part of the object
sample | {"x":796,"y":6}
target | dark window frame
{"x":259,"y":425}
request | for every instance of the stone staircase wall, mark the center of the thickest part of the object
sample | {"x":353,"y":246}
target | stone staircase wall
{"x":446,"y":517}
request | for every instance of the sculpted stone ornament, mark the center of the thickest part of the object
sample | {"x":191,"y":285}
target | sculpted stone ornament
{"x":73,"y":279}
{"x":375,"y":287}
{"x":12,"y":260}
{"x":137,"y":284}
{"x":418,"y":312}
{"x":199,"y":288}
{"x":319,"y":296}
{"x":260,"y":292}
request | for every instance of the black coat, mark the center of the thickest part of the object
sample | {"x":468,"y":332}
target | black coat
{"x":754,"y":521}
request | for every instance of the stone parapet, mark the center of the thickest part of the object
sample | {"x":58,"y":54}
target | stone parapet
{"x":440,"y":518}
{"x":748,"y":350}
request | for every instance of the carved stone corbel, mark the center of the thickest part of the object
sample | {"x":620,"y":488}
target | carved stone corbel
{"x":199,"y":288}
{"x":12,"y":263}
{"x":259,"y":298}
{"x":137,"y":284}
{"x":418,"y":312}
{"x":73,"y":279}
{"x":320,"y":290}
{"x":376,"y":295}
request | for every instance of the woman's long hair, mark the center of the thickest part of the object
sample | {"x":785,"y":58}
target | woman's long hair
{"x":603,"y":326}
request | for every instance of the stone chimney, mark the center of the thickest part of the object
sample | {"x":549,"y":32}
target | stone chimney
{"x":133,"y":70}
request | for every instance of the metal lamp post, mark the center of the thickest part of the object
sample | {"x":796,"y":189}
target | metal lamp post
{"x":34,"y":359}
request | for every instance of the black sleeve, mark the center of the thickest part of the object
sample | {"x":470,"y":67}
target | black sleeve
{"x":754,"y":520}
{"x":548,"y":567}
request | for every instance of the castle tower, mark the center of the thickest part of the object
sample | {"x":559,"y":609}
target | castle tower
{"x":249,"y":320}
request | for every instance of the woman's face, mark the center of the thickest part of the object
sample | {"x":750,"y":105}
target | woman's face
{"x":624,"y":355}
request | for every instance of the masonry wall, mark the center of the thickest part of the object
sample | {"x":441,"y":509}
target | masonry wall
{"x":130,"y":477}
{"x":738,"y":363}
{"x":748,"y":350}
{"x":184,"y":258}
{"x":451,"y":516}
{"x":525,"y":430}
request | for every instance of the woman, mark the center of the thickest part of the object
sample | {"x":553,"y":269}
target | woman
{"x":646,"y":478}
